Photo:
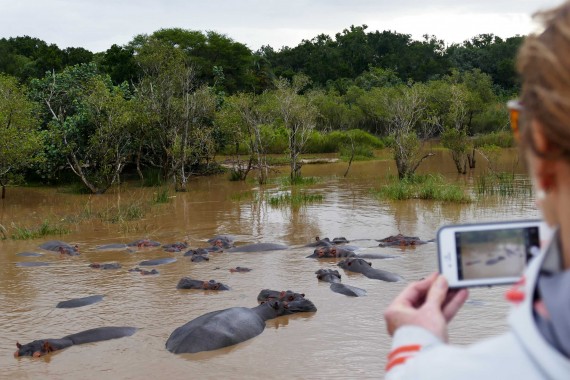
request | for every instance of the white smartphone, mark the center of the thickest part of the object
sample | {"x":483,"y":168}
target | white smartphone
{"x":488,"y":254}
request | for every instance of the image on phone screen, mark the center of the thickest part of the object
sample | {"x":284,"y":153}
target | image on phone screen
{"x":495,"y":253}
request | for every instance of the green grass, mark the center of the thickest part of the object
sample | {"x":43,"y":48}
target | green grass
{"x":295,"y":199}
{"x":124,"y":213}
{"x":47,"y":228}
{"x":429,"y":187}
{"x":161,"y":196}
{"x":244,"y":195}
{"x":298,"y":181}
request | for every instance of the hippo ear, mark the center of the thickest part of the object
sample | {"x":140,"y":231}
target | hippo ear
{"x":275,"y":305}
{"x":18,"y":345}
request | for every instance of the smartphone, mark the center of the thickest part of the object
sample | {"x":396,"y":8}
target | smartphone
{"x":488,"y":254}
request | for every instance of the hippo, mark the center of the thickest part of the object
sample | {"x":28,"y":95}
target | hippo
{"x":163,"y":260}
{"x":78,"y":302}
{"x":222,"y":241}
{"x":331,"y":251}
{"x":347,"y":290}
{"x":29,"y":254}
{"x":227,"y":327}
{"x":188,"y":283}
{"x":112,"y":246}
{"x":258,"y":247}
{"x":144,"y":243}
{"x":328,"y":275}
{"x":402,"y":241}
{"x":197,"y":251}
{"x":362,"y":266}
{"x":61,"y":247}
{"x":266,"y":295}
{"x":199,"y":258}
{"x":105,"y":266}
{"x":326,"y":242}
{"x":42,"y":347}
{"x":240,"y":270}
{"x":332,"y":276}
{"x":175,"y":247}
{"x":144,"y":271}
{"x":32,"y":264}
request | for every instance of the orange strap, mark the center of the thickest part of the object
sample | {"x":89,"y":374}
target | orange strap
{"x":395,"y":362}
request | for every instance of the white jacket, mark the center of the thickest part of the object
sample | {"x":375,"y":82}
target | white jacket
{"x":521,"y":353}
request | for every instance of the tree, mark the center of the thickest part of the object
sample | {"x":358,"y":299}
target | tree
{"x":405,"y":108}
{"x":89,"y":123}
{"x":20,"y":139}
{"x":297,"y":114}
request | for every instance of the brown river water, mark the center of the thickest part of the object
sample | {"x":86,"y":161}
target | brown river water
{"x":346,"y":338}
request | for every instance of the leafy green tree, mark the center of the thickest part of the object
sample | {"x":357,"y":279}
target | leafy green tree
{"x":89,"y":123}
{"x":20,"y":139}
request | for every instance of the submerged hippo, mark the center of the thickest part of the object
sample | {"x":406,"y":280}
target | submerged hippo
{"x":326,"y":242}
{"x":29,"y":254}
{"x":240,"y":270}
{"x":105,"y":266}
{"x":141,"y":243}
{"x":332,"y":276}
{"x":189,"y":283}
{"x":175,"y":247}
{"x":328,"y":275}
{"x":198,"y":255}
{"x":362,"y":266}
{"x":267,"y":295}
{"x":222,"y":241}
{"x":32,"y":264}
{"x":163,"y":260}
{"x":61,"y":247}
{"x":258,"y":247}
{"x":231,"y":326}
{"x":331,"y":252}
{"x":78,"y":302}
{"x":144,"y":271}
{"x":347,"y":290}
{"x":42,"y":347}
{"x":402,"y":241}
{"x":111,"y":247}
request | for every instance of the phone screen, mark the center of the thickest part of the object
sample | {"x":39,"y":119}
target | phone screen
{"x":495,"y":253}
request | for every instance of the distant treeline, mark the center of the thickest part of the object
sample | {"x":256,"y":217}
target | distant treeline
{"x":173,"y":100}
{"x":327,"y":61}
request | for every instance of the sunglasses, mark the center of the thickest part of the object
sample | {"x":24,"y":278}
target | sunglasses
{"x":515,"y":108}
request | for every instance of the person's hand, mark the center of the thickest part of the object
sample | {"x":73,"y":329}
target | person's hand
{"x":426,"y":303}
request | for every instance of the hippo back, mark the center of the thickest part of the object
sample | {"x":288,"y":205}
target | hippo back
{"x":216,"y":330}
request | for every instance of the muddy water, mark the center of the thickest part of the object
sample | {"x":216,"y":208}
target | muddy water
{"x":345,"y":338}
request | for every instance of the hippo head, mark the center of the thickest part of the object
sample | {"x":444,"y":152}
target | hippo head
{"x":327,"y":273}
{"x":36,"y":349}
{"x":301,"y":305}
{"x":353,"y":262}
{"x":274,"y":295}
{"x":213,"y":285}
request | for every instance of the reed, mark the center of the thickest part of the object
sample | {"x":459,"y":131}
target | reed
{"x":122,"y":213}
{"x":502,"y":184}
{"x":294,"y":200}
{"x":47,"y":228}
{"x":429,"y":187}
{"x":162,"y":195}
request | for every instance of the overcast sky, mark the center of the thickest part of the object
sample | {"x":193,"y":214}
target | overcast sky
{"x":97,"y":24}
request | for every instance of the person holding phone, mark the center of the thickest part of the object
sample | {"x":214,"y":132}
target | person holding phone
{"x":537,"y":344}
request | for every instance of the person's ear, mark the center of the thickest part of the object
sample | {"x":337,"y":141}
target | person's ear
{"x":545,"y":169}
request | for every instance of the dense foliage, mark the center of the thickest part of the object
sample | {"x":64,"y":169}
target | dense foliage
{"x":174,"y":99}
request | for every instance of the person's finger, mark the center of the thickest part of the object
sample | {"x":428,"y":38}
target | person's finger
{"x":415,"y":291}
{"x":451,"y":307}
{"x":437,"y":292}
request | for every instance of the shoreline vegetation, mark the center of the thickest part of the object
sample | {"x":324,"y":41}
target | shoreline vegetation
{"x":282,"y":191}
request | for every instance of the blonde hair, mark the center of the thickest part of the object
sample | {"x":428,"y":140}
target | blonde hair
{"x":544,"y":64}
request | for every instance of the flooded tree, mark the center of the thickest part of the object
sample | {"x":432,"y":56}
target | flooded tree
{"x":405,"y":107}
{"x":89,"y":123}
{"x":298,"y":115}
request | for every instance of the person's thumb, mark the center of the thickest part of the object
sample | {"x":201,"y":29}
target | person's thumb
{"x":437,"y":292}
